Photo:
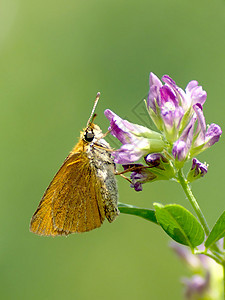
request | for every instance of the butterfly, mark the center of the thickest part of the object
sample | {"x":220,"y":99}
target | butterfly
{"x":84,"y":190}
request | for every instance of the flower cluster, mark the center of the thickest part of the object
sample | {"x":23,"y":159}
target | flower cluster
{"x":207,"y":275}
{"x":178,"y":115}
{"x":175,"y":112}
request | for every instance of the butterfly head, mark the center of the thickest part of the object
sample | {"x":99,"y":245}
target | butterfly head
{"x":92,"y":133}
{"x":89,"y":135}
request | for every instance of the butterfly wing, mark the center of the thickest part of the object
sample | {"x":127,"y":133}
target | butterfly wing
{"x":73,"y":200}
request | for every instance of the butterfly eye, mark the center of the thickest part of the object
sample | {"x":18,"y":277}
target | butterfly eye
{"x":89,"y":136}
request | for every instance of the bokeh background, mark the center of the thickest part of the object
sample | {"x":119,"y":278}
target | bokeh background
{"x":54,"y":57}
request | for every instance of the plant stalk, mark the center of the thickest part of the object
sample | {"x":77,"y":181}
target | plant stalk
{"x":223,"y":280}
{"x":193,"y":201}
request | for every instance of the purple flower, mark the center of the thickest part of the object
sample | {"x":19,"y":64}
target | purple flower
{"x":155,"y":160}
{"x":137,"y":140}
{"x":195,"y":93}
{"x":140,"y":175}
{"x":198,"y":167}
{"x":204,"y":138}
{"x":206,"y":277}
{"x":184,"y":253}
{"x":180,"y":150}
{"x":193,"y":142}
{"x":197,"y":170}
{"x":196,"y":286}
{"x":178,"y":114}
{"x":170,"y":107}
{"x":157,"y":168}
{"x":182,"y":146}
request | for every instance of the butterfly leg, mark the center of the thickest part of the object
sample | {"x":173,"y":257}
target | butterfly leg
{"x":124,"y":177}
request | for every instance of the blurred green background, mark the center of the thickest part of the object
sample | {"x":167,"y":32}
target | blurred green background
{"x":54,"y":57}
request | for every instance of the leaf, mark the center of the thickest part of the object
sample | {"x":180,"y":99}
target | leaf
{"x":145,"y":213}
{"x":179,"y":224}
{"x":217,"y":232}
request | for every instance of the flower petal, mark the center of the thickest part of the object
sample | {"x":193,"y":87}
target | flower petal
{"x":154,"y":95}
{"x":154,"y":80}
{"x":180,"y":150}
{"x":201,"y":128}
{"x":167,"y":95}
{"x":140,"y":177}
{"x":167,"y":79}
{"x":199,"y":167}
{"x":213,"y":135}
{"x":117,"y":127}
{"x":196,"y":93}
{"x":128,"y":153}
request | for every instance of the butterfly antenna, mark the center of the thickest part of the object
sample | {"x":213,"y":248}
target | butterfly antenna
{"x":93,"y":109}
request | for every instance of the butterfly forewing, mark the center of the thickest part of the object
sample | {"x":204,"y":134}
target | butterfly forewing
{"x":72,"y":202}
{"x":82,"y":209}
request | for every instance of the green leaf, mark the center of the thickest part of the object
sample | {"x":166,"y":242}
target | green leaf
{"x":217,"y":232}
{"x":145,"y":213}
{"x":179,"y":224}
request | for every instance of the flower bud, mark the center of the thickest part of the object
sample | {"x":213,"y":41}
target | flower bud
{"x":158,"y":168}
{"x":140,"y":175}
{"x":197,"y":170}
{"x":161,"y":166}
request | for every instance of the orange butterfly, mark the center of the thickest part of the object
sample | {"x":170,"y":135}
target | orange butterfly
{"x":83,"y":192}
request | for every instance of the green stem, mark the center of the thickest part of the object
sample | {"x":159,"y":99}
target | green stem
{"x":193,"y":201}
{"x":216,"y":252}
{"x":223,"y":280}
{"x":217,"y":259}
{"x":213,"y":255}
